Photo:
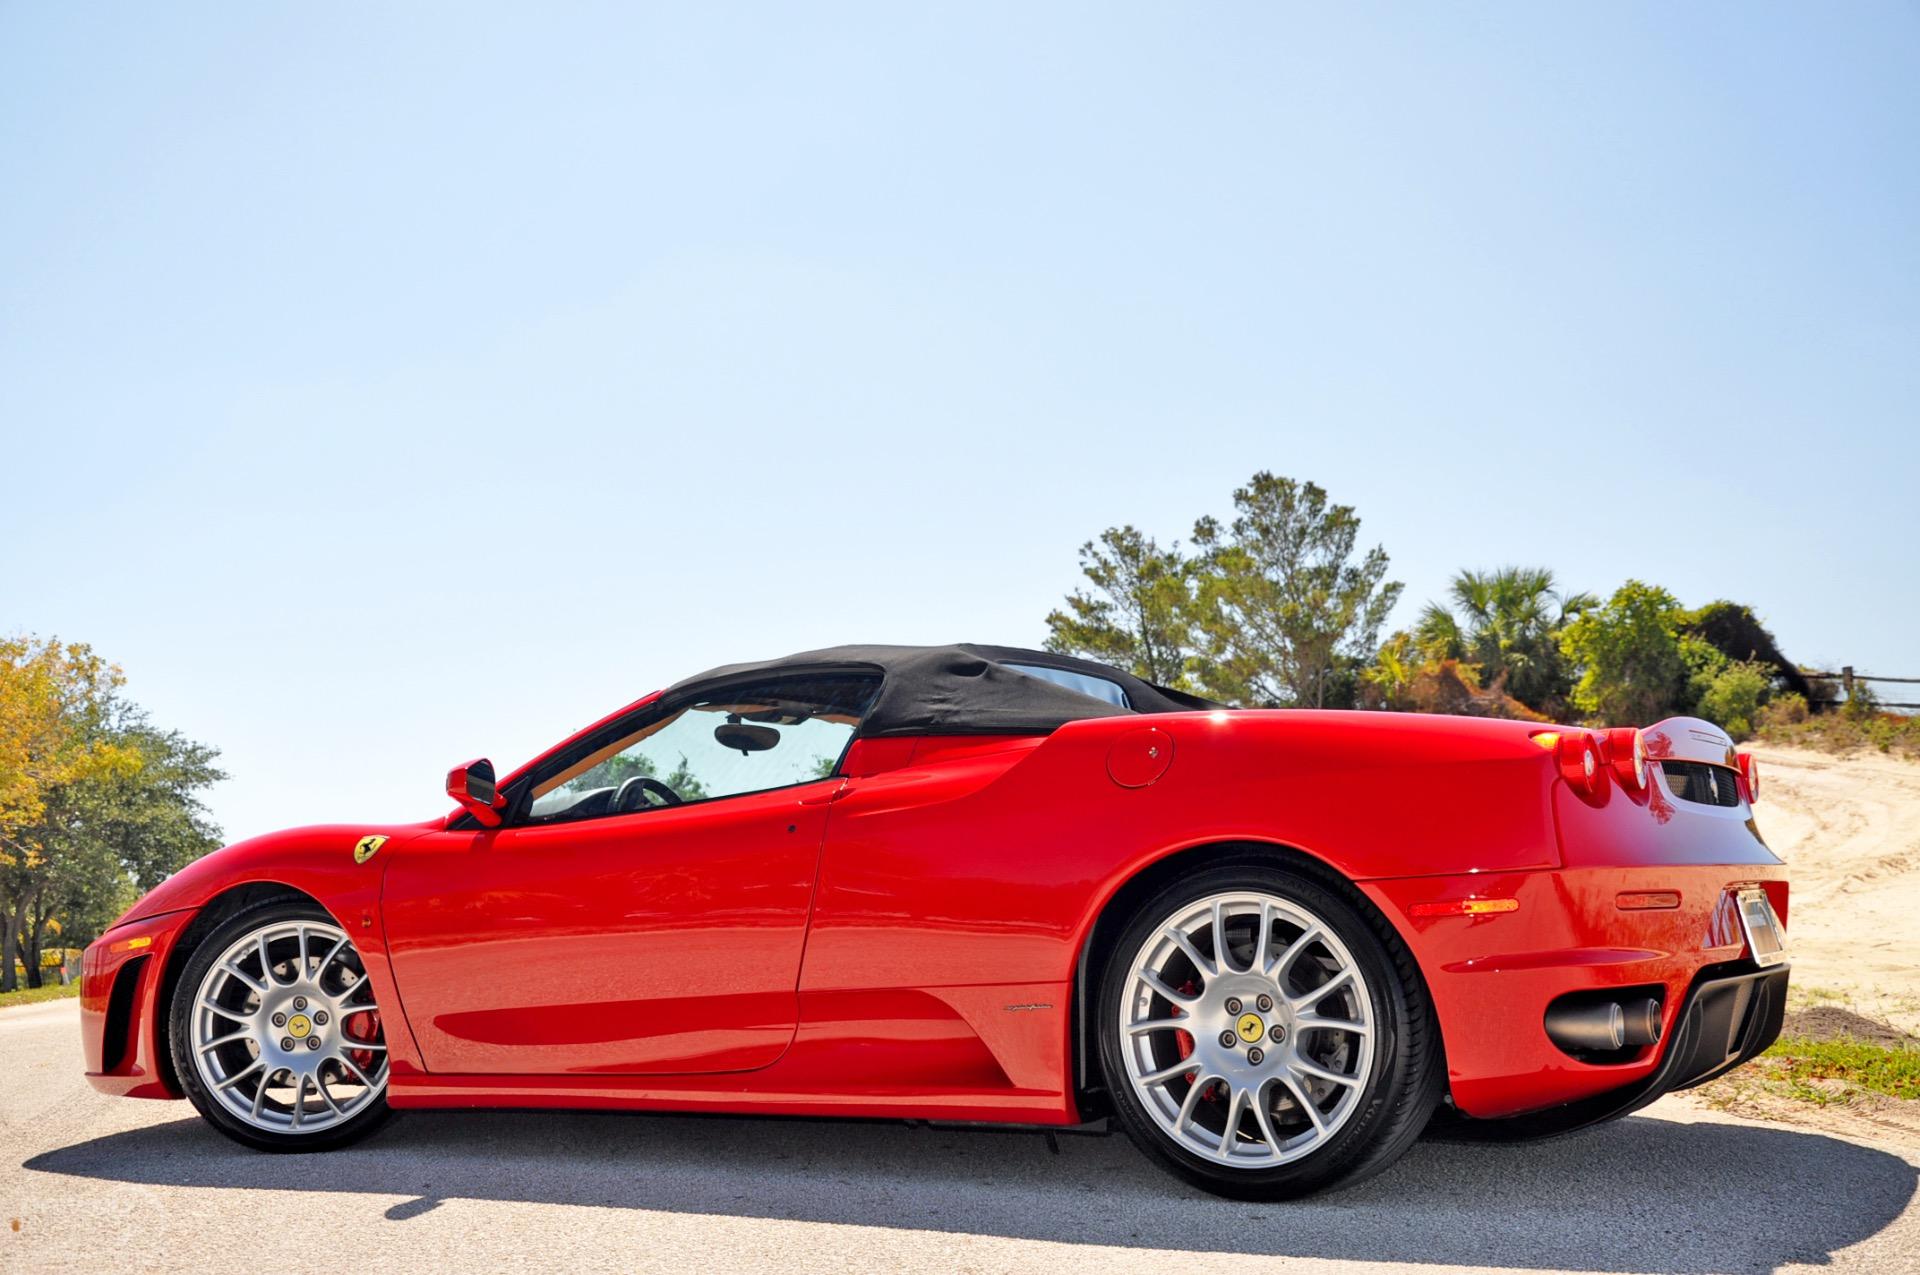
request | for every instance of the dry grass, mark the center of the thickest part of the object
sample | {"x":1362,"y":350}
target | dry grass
{"x":1837,"y":733}
{"x":1827,"y":1056}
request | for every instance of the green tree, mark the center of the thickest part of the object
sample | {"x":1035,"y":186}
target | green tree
{"x":51,"y":696}
{"x":1285,"y":610}
{"x":1135,"y":616}
{"x":616,"y":770}
{"x":54,"y":698}
{"x":112,"y":831}
{"x":1632,"y":669}
{"x":1511,"y":630}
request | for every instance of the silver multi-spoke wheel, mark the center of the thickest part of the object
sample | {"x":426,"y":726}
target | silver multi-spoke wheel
{"x":284,"y":1030}
{"x":1246,"y":1027}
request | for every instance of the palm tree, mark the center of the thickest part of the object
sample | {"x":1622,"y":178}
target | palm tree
{"x":1508,"y":622}
{"x":1438,"y":634}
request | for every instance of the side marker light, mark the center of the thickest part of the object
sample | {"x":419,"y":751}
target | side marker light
{"x":1465,"y":907}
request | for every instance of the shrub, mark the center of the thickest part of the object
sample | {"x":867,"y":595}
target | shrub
{"x":1402,"y":680}
{"x":1789,"y":709}
{"x":1862,"y":704}
{"x":1705,"y":663}
{"x":1786,"y":721}
{"x":1732,"y":697}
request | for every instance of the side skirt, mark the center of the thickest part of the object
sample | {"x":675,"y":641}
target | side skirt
{"x":992,"y":1053}
{"x":734,"y":1094}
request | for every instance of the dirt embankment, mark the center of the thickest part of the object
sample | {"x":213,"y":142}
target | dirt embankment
{"x":1849,"y":828}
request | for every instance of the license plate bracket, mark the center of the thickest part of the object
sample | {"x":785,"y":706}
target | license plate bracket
{"x":1766,"y":937}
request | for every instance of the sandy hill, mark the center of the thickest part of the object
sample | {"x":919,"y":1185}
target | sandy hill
{"x":1850,"y":830}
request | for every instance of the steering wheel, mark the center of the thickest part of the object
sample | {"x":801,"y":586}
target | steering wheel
{"x":643,"y":784}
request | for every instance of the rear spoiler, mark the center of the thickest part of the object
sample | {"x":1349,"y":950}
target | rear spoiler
{"x":1690,"y":739}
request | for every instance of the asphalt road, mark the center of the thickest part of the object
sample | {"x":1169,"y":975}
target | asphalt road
{"x":101,"y":1185}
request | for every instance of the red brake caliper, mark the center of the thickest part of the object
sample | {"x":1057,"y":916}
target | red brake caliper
{"x":362,"y":1026}
{"x":1182,"y":1040}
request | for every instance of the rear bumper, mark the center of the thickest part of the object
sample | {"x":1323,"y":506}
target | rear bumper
{"x":122,"y":1007}
{"x":1730,"y":1015}
{"x":1493,"y":977}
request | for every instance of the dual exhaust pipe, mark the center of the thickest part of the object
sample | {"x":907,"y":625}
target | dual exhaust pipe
{"x":1602,"y":1027}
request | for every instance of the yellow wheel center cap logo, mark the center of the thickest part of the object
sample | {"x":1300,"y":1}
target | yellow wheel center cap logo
{"x":1250,"y":1028}
{"x":298,"y":1026}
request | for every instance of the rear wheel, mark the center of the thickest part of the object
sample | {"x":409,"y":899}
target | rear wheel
{"x":1262,"y":1038}
{"x":275,"y":1033}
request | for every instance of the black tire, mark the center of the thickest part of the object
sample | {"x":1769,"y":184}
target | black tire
{"x":1404,"y":1081}
{"x":271,"y":911}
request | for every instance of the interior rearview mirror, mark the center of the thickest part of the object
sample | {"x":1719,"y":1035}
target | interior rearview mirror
{"x":745,"y":737}
{"x":472,"y":786}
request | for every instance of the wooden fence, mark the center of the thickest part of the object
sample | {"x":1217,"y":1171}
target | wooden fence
{"x":1847,"y":677}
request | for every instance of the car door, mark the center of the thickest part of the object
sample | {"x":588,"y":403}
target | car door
{"x":601,"y":931}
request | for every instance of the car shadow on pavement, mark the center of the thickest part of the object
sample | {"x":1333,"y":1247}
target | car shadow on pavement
{"x":1643,"y":1194}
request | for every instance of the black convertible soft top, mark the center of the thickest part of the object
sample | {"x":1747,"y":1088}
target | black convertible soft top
{"x":967,"y":689}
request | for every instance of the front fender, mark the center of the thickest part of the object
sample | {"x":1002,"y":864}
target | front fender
{"x":318,"y":862}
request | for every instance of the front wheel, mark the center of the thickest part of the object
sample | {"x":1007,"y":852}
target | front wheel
{"x":275,"y":1033}
{"x":1262,"y":1038}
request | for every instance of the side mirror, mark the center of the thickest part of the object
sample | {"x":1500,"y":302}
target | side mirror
{"x":472,"y":786}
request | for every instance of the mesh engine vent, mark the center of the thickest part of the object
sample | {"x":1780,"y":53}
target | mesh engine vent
{"x":1696,"y":781}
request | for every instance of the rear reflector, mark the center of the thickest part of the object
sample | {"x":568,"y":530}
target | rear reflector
{"x":1465,"y":907}
{"x":1646,"y":900}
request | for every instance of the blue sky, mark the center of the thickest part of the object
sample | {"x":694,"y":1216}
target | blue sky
{"x":382,"y":389}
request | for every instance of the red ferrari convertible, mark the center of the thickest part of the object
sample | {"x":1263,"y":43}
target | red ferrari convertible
{"x":976,"y":883}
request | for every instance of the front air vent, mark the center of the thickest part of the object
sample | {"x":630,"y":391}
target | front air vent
{"x":1698,"y":782}
{"x":119,"y":1032}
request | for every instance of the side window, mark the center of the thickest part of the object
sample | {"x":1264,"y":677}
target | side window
{"x":1093,"y":687}
{"x":768,"y":734}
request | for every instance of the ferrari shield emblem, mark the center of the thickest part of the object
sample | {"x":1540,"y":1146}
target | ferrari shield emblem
{"x":366,"y":848}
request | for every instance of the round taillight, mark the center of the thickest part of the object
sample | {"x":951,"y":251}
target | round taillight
{"x":1750,"y":771}
{"x":1579,"y":758}
{"x":1627,"y":751}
